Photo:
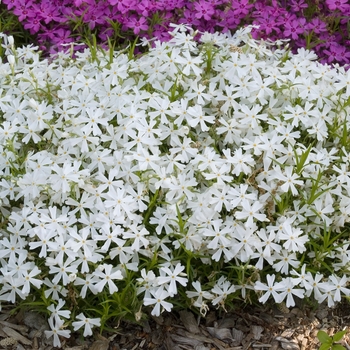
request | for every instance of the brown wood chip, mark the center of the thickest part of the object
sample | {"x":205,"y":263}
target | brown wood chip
{"x":255,"y":345}
{"x":22,"y":329}
{"x":288,"y":333}
{"x":99,"y":345}
{"x":15,"y":335}
{"x":207,"y":339}
{"x":257,"y":330}
{"x":201,"y":347}
{"x":169,"y":344}
{"x":223,"y":334}
{"x":228,"y":322}
{"x":237,"y":335}
{"x":185,"y":340}
{"x":8,"y":342}
{"x":189,"y":322}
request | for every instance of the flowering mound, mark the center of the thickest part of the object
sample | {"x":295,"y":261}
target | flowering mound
{"x":195,"y":175}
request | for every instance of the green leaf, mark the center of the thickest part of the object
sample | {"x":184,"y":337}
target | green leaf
{"x":301,"y":160}
{"x":344,"y":137}
{"x":323,"y":337}
{"x":338,"y":336}
{"x":325,"y":346}
{"x":338,"y":347}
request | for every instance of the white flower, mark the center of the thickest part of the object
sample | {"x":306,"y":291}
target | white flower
{"x":343,"y":82}
{"x":29,"y":279}
{"x":138,"y":235}
{"x":222,"y":291}
{"x":107,"y":277}
{"x":199,"y":294}
{"x":338,"y":285}
{"x":56,"y":311}
{"x":189,"y":63}
{"x":199,"y":117}
{"x":268,"y":242}
{"x":88,"y":324}
{"x":272,"y":288}
{"x":171,"y":277}
{"x":158,"y":300}
{"x":250,"y":212}
{"x":54,"y":289}
{"x":57,"y":331}
{"x":294,"y":238}
{"x":147,"y":281}
{"x":289,"y":179}
{"x":286,"y":258}
{"x":242,"y":163}
{"x":287,"y":290}
{"x":219,"y":232}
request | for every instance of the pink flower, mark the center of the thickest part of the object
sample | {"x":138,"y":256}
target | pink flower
{"x":317,"y":25}
{"x":293,"y":29}
{"x":32,"y":24}
{"x":241,"y":7}
{"x":338,"y":5}
{"x":204,"y":10}
{"x":137,"y":24}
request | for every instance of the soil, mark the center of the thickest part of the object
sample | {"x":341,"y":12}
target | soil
{"x":270,"y":328}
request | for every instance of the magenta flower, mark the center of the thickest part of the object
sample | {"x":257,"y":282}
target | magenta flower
{"x":144,"y":8}
{"x":317,"y":26}
{"x":341,"y":5}
{"x":77,"y":3}
{"x":293,"y":29}
{"x":137,"y":24}
{"x":229,"y":21}
{"x":337,"y":52}
{"x":298,"y":5}
{"x":123,"y":6}
{"x":332,"y":52}
{"x":204,"y":9}
{"x":241,"y":7}
{"x":189,"y":17}
{"x":49,"y":12}
{"x":21,"y":12}
{"x":259,"y":9}
{"x":110,"y":15}
{"x":95,"y":15}
{"x":10,"y":3}
{"x":32,"y":24}
{"x":268,"y":24}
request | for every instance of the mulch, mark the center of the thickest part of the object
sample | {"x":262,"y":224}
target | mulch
{"x":250,"y":328}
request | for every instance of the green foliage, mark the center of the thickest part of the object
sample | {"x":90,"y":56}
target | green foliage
{"x":328,"y":342}
{"x":300,"y":160}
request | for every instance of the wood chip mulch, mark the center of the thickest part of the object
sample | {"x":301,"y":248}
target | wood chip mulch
{"x":251,"y":328}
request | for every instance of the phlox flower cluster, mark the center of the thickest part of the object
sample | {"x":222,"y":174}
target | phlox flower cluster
{"x":321,"y":25}
{"x":198,"y":173}
{"x":318,"y":25}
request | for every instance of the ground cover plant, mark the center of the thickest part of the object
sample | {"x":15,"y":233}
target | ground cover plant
{"x":193,"y":176}
{"x":319,"y":25}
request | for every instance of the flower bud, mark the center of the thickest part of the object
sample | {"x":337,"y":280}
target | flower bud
{"x":11,"y":60}
{"x":11,"y":40}
{"x":34,"y":104}
{"x":72,"y":277}
{"x":185,"y":130}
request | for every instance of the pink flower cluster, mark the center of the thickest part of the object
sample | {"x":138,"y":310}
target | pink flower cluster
{"x":320,"y":25}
